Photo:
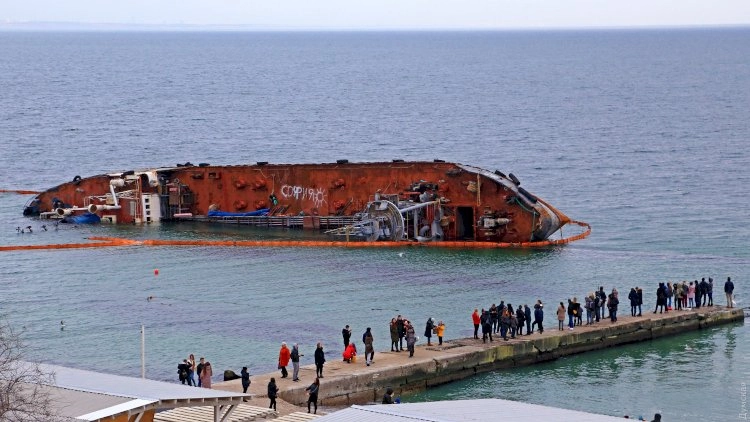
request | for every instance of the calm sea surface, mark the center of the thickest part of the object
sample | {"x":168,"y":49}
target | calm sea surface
{"x":643,"y":134}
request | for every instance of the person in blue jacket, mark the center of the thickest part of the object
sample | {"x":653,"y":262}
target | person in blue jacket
{"x":538,"y":316}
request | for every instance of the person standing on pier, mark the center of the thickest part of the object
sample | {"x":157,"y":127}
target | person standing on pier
{"x":710,"y":291}
{"x":602,"y":300}
{"x":369,"y":349}
{"x":191,"y":370}
{"x":428,"y":328}
{"x":729,"y":291}
{"x":704,"y":291}
{"x":320,"y":359}
{"x":394,"y":335}
{"x":486,"y":326}
{"x":685,"y":294}
{"x":521,"y":318}
{"x":312,"y":397}
{"x":561,"y":315}
{"x":527,"y":318}
{"x":295,"y":362}
{"x":401,"y":332}
{"x":661,"y":298}
{"x":284,"y":356}
{"x":245,"y":379}
{"x":633,"y":297}
{"x":440,"y":331}
{"x":206,"y":374}
{"x":199,"y":370}
{"x":476,"y":320}
{"x":691,"y":295}
{"x":411,"y":338}
{"x":597,"y":306}
{"x":182,"y":370}
{"x":670,"y":294}
{"x":589,"y":305}
{"x":613,"y":302}
{"x":698,"y":294}
{"x":494,"y":318}
{"x":538,"y":316}
{"x":571,"y":314}
{"x":346,"y":333}
{"x":273,"y":391}
{"x":504,"y":322}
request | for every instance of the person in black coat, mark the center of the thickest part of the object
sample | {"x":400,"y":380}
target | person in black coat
{"x":704,"y":291}
{"x":486,"y":322}
{"x":521,"y":317}
{"x":401,"y":328}
{"x":182,"y":370}
{"x":661,"y":298}
{"x":633,"y":296}
{"x":245,"y":379}
{"x":346,"y":333}
{"x":273,"y":391}
{"x":527,"y":318}
{"x":320,"y":359}
{"x":428,"y":330}
{"x":698,"y":293}
{"x":639,"y":291}
{"x":603,"y":300}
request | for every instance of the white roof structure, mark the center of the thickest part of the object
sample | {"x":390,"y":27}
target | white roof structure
{"x":481,"y":410}
{"x":92,"y":396}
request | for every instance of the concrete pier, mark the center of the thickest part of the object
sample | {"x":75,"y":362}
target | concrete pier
{"x":355,"y":383}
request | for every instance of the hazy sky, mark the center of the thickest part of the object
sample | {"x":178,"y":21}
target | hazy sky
{"x":384,"y":14}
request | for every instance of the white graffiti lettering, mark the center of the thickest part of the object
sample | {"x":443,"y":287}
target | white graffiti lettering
{"x":316,"y":195}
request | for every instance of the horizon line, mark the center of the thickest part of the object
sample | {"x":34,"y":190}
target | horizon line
{"x":51,"y":26}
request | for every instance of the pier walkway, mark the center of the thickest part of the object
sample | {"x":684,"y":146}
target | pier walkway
{"x":355,"y":383}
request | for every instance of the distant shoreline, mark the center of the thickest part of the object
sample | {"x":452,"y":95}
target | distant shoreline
{"x":125,"y":27}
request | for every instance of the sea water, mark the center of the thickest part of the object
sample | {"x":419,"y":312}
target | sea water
{"x":642,"y":134}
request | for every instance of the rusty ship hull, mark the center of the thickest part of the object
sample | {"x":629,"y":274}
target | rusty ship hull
{"x":429,"y":200}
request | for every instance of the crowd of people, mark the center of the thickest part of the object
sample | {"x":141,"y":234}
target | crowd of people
{"x":502,"y":319}
{"x":507,"y":321}
{"x":596,"y":305}
{"x":188,"y":369}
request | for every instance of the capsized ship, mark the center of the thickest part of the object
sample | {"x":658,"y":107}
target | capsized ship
{"x":377,"y":201}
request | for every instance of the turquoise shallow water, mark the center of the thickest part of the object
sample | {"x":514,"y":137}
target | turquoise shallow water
{"x":640,"y":133}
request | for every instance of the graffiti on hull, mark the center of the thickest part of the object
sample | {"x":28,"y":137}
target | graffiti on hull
{"x":300,"y":193}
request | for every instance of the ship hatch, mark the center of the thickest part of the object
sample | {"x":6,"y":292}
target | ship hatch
{"x":465,"y":223}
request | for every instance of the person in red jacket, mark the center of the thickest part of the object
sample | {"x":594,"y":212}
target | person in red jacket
{"x":475,"y":318}
{"x":284,"y":355}
{"x":350,"y":353}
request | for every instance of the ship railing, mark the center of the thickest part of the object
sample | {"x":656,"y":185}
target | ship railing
{"x":295,"y":221}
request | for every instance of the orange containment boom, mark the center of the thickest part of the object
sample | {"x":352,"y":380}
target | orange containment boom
{"x":20,"y":191}
{"x":101,"y":242}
